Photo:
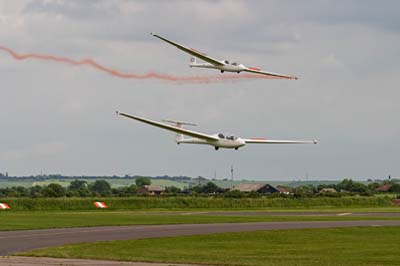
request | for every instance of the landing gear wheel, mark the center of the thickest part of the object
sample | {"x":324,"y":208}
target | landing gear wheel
{"x":238,"y":72}
{"x":216,"y":148}
{"x":236,"y":148}
{"x":222,"y":71}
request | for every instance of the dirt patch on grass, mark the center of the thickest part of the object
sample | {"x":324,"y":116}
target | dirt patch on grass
{"x":37,"y":261}
{"x":396,"y":202}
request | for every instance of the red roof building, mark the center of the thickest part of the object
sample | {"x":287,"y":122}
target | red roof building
{"x":383,"y":188}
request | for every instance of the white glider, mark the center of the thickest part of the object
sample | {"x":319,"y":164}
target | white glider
{"x":217,"y":140}
{"x":222,"y":65}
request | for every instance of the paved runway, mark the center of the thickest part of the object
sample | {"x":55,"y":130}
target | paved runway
{"x":25,"y":240}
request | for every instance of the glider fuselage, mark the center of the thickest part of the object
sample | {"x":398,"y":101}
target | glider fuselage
{"x":225,"y":67}
{"x":222,"y":142}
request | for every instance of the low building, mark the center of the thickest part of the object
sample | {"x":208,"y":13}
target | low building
{"x":327,"y":190}
{"x":259,"y":188}
{"x":283,"y":190}
{"x":383,"y":188}
{"x":151,"y":189}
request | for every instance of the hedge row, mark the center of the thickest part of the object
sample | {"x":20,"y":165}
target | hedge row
{"x":145,"y":203}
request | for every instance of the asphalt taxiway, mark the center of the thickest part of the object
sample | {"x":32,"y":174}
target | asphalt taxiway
{"x":26,"y":240}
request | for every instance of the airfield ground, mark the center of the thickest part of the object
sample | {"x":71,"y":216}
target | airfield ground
{"x":370,"y":245}
{"x":272,"y":236}
{"x":39,"y":261}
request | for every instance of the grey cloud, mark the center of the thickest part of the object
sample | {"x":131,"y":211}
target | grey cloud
{"x":74,"y":9}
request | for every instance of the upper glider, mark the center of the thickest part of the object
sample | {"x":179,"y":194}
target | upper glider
{"x":222,"y":65}
{"x":217,"y":140}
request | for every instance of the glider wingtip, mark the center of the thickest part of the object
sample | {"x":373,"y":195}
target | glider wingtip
{"x":315,"y":141}
{"x":117,"y":112}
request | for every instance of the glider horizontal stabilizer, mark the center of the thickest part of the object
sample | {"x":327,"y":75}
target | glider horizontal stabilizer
{"x":271,"y":141}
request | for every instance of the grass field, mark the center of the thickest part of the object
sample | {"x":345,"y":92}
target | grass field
{"x":61,"y":219}
{"x":182,"y":202}
{"x":342,"y":246}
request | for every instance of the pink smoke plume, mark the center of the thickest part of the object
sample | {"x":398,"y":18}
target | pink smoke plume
{"x":120,"y":74}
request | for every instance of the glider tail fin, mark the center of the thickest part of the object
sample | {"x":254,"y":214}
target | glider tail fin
{"x":193,"y":61}
{"x":179,"y":137}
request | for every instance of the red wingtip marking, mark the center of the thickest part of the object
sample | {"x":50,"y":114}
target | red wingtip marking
{"x":255,"y":68}
{"x":197,"y":51}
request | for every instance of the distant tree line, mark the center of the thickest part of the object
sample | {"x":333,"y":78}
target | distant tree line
{"x":61,"y":177}
{"x":346,"y":187}
{"x":82,"y":188}
{"x":77,"y":188}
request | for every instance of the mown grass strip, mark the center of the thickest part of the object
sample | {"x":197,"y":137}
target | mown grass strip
{"x":60,"y":219}
{"x":342,"y":246}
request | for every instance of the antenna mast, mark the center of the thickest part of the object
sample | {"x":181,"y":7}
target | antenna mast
{"x":232,"y":177}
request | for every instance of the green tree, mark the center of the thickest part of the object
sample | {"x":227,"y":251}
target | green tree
{"x":78,"y":188}
{"x":351,"y":186}
{"x":172,"y":189}
{"x":132,"y":190}
{"x":395,"y":188}
{"x":100,"y":187}
{"x":142,"y":181}
{"x":125,"y":191}
{"x":77,"y":184}
{"x":36,"y":191}
{"x":373,"y":186}
{"x":54,"y":190}
{"x":208,"y":188}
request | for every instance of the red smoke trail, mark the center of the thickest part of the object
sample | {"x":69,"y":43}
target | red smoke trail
{"x":150,"y":75}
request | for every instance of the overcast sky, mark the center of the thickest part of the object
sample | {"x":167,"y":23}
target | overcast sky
{"x":59,"y":118}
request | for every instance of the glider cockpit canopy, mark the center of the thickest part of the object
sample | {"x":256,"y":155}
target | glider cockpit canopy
{"x":231,"y":63}
{"x":222,"y":136}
